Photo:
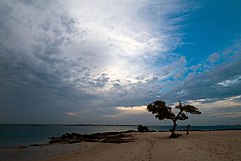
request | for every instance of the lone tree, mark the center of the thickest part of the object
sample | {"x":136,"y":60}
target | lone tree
{"x":163,"y":112}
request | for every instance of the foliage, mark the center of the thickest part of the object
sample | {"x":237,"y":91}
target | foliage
{"x":142,"y":128}
{"x":163,"y":112}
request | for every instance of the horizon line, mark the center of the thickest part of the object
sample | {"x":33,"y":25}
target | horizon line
{"x":47,"y":124}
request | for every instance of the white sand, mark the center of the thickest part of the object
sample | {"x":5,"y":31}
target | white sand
{"x":38,"y":153}
{"x":198,"y":146}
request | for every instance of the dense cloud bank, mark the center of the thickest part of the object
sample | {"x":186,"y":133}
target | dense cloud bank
{"x":82,"y":61}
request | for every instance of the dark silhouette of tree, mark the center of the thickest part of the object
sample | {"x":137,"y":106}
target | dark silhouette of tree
{"x":141,"y":128}
{"x":163,"y":112}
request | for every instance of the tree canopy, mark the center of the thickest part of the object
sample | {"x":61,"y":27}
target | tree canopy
{"x":162,"y":112}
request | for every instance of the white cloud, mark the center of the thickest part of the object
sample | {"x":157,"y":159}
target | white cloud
{"x":132,"y":110}
{"x":72,"y":113}
{"x":231,"y":82}
{"x":91,"y":53}
{"x":227,"y":114}
{"x":214,"y":57}
{"x":121,"y":41}
{"x":115,"y":38}
{"x":217,"y":80}
{"x":134,"y":114}
{"x":128,"y":112}
{"x":232,"y":114}
{"x":213,"y":106}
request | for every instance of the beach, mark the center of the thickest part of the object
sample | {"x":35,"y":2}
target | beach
{"x":149,"y":146}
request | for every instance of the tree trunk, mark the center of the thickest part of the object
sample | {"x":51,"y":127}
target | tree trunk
{"x":173,"y":128}
{"x":174,"y":135}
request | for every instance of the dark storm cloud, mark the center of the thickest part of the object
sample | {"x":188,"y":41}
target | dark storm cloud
{"x":32,"y":77}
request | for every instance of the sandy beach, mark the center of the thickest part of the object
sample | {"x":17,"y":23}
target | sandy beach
{"x":156,"y":146}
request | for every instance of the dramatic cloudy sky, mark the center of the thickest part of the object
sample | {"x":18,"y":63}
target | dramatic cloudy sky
{"x":103,"y":61}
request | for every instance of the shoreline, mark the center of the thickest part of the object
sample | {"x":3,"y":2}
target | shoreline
{"x":128,"y":131}
{"x":18,"y":135}
{"x":199,"y":145}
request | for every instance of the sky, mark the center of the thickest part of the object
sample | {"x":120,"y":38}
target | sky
{"x":104,"y":61}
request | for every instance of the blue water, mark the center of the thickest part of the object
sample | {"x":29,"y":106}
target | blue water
{"x":24,"y":135}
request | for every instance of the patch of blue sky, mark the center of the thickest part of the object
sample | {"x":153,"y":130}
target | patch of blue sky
{"x":209,"y":29}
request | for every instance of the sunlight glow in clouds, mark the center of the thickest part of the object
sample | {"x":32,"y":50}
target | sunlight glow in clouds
{"x":132,"y":110}
{"x":98,"y":60}
{"x":129,"y":112}
{"x":124,"y":42}
{"x":119,"y":43}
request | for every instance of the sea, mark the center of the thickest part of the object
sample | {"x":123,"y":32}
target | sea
{"x":26,"y":135}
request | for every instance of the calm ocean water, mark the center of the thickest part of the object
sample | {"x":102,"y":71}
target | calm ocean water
{"x":24,"y":135}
